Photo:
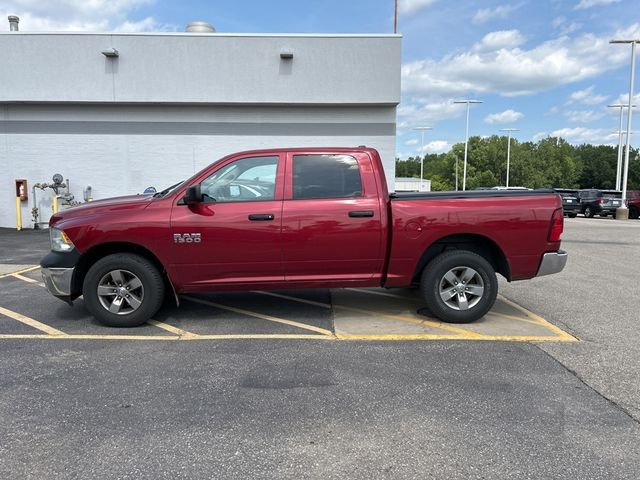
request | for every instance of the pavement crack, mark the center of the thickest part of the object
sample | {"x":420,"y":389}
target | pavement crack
{"x":612,"y":402}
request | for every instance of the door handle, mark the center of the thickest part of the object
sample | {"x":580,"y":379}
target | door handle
{"x":261,"y":217}
{"x":361,"y":213}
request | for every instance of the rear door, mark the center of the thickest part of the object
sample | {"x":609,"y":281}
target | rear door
{"x":332,"y":227}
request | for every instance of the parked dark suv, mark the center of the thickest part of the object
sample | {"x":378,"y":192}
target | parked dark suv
{"x":570,"y":202}
{"x":599,"y":202}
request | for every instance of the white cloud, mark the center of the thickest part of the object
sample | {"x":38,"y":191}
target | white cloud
{"x":623,"y":99}
{"x":580,"y":135}
{"x":565,"y":28}
{"x":426,"y":112}
{"x":515,"y":71}
{"x":584,"y":4}
{"x":437,"y":146}
{"x":508,"y":116}
{"x":583,"y":116}
{"x":495,"y":41}
{"x":81,"y":15}
{"x":413,"y":141}
{"x":587,"y":96}
{"x":407,"y":7}
{"x":485,"y":14}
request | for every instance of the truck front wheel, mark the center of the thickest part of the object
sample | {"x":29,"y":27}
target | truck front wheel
{"x":123,"y":290}
{"x":459,"y":286}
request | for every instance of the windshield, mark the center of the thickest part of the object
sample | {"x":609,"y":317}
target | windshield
{"x":167,"y":190}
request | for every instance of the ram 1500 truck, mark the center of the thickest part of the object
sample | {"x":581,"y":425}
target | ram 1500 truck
{"x":300,"y":218}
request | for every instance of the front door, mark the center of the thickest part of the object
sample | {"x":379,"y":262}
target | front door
{"x":234,"y":235}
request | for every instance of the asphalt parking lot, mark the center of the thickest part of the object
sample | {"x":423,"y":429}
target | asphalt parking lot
{"x":329,"y":384}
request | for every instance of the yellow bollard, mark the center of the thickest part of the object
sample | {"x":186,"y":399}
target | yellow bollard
{"x":18,"y":214}
{"x":54,"y":207}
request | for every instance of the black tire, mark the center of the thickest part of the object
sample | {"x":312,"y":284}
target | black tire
{"x":137,"y":272}
{"x":434,"y":279}
{"x":572,"y":215}
{"x":633,"y":212}
{"x":588,"y":212}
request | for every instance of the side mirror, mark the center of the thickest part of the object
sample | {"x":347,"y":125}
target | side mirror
{"x":193,"y":195}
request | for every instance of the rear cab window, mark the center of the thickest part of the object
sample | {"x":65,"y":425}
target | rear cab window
{"x":318,"y":176}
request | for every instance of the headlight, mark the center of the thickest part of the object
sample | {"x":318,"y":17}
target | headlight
{"x":59,"y":241}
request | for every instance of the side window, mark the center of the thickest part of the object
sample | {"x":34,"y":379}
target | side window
{"x":245,"y":180}
{"x":325,"y":176}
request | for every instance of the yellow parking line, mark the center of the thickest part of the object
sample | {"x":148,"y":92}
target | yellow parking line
{"x":402,"y":318}
{"x":31,"y":322}
{"x":260,"y":315}
{"x":232,"y":336}
{"x":383,"y":294}
{"x":519,"y":319}
{"x":183,"y":334}
{"x":549,"y":326}
{"x":27,"y":279}
{"x":426,"y":336}
{"x":25,"y":270}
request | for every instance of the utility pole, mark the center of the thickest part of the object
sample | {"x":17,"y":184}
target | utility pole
{"x":466,"y":142}
{"x":422,"y":130}
{"x":620,"y":133}
{"x":395,"y":17}
{"x":509,"y":148}
{"x":622,"y":213}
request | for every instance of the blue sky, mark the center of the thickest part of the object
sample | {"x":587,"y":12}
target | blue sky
{"x":544,"y":66}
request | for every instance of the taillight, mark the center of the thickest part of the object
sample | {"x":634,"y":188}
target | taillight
{"x":557,"y":226}
{"x":600,"y":200}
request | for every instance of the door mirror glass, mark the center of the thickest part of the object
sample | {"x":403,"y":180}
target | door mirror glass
{"x":192,"y":195}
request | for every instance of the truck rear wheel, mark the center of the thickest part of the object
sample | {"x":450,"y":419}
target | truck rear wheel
{"x":459,"y":286}
{"x":123,"y":290}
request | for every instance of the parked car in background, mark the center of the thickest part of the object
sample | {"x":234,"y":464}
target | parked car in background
{"x":570,"y":202}
{"x":633,"y":203}
{"x":599,"y":202}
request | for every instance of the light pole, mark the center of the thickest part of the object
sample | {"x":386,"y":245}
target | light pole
{"x":509,"y":130}
{"x":622,"y":213}
{"x":619,"y":166}
{"x":422,"y":130}
{"x":466,"y":141}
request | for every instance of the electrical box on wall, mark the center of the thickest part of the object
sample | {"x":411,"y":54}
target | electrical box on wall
{"x":22,"y":191}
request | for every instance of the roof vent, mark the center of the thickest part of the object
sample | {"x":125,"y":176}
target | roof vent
{"x":13,"y":23}
{"x":200,"y":27}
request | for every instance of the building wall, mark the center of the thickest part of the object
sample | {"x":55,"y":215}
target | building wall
{"x":171,"y":103}
{"x":121,"y":150}
{"x":200,"y":68}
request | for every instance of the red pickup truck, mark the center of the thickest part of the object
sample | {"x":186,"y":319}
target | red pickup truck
{"x":300,"y":218}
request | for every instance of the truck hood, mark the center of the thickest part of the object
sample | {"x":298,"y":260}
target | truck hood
{"x":126,"y":202}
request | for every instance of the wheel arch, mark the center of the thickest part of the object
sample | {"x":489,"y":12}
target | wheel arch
{"x":95,"y":253}
{"x":480,"y":244}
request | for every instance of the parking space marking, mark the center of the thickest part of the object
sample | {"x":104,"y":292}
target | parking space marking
{"x":231,"y":336}
{"x":550,"y":326}
{"x":427,"y":336}
{"x":260,"y":315}
{"x":430,"y":323}
{"x":382,"y":294}
{"x":32,"y":323}
{"x":27,"y":279}
{"x":24,"y":270}
{"x":183,"y":334}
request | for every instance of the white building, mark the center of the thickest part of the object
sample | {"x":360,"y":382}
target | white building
{"x":171,"y":103}
{"x":408,"y":184}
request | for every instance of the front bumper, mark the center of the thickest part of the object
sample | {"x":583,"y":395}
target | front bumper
{"x":58,"y":280}
{"x":552,"y":262}
{"x":57,"y":273}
